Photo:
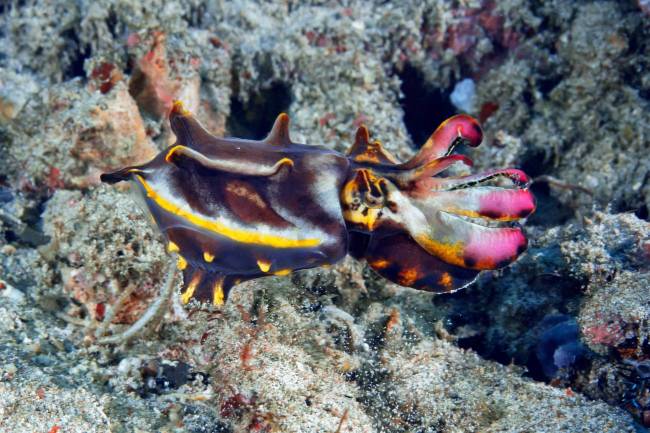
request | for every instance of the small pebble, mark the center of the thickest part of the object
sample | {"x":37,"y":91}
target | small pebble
{"x":43,"y":360}
{"x":8,"y":372}
{"x":464,"y":95}
{"x":8,"y":250}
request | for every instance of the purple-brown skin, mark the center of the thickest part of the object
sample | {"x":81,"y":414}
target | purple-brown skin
{"x":238,"y":209}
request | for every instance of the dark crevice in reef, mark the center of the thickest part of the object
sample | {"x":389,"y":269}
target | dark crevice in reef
{"x":425,"y":106}
{"x":536,"y":163}
{"x":78,"y":56}
{"x":634,"y":204}
{"x":637,"y":60}
{"x":642,"y":212}
{"x":195,"y":15}
{"x":30,"y":231}
{"x":112,"y":22}
{"x":6,"y":7}
{"x":517,"y":337}
{"x":547,"y":83}
{"x":254,"y":117}
{"x":550,"y":211}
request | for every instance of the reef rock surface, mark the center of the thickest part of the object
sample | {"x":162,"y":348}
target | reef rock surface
{"x":557,"y":342}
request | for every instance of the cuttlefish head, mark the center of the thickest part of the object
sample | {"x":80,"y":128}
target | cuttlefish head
{"x":461,"y":221}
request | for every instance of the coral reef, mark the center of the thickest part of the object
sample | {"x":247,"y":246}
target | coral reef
{"x":83,"y":226}
{"x":558,"y":341}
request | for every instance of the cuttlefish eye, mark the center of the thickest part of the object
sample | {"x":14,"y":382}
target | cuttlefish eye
{"x":374,"y":200}
{"x":363,"y":198}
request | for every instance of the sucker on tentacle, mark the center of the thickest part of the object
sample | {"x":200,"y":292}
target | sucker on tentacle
{"x":235,"y":209}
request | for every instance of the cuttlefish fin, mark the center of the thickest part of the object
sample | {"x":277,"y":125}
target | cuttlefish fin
{"x":206,"y":286}
{"x":398,"y":258}
{"x":181,"y":156}
{"x":279,"y":134}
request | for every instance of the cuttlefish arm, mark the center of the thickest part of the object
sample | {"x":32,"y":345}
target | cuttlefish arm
{"x":459,"y":129}
{"x":432,"y":232}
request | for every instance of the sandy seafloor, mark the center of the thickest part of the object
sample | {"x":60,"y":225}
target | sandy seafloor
{"x":557,"y":342}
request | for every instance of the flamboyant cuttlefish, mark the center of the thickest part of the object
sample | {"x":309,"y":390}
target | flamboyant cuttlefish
{"x":236,"y":209}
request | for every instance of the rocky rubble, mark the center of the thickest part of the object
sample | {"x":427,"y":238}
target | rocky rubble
{"x":556,"y":342}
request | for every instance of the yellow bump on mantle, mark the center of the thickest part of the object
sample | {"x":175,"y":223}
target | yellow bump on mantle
{"x":191,"y":288}
{"x":218,"y":296}
{"x":172,"y":247}
{"x":264,"y":265}
{"x":208,"y":257}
